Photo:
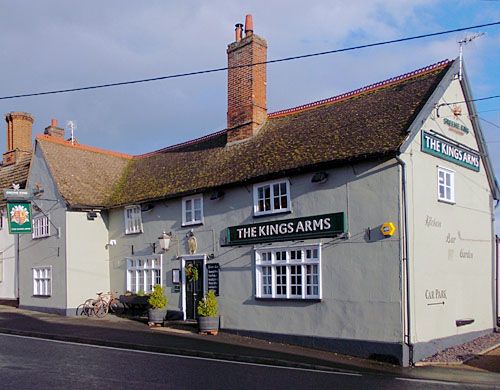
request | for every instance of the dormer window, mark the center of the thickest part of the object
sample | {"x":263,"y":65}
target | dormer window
{"x":271,"y":197}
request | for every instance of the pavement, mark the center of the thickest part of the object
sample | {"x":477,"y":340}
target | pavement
{"x":182,"y":339}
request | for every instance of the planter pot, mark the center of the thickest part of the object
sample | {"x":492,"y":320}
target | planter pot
{"x":156,"y":316}
{"x":208,"y":324}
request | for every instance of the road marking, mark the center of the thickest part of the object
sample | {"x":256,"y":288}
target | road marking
{"x":337,"y":372}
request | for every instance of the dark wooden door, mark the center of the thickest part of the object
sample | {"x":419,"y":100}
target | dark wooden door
{"x":194,"y":290}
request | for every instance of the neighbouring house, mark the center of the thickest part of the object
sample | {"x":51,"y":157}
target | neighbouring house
{"x":66,"y":260}
{"x":361,"y":223}
{"x":13,"y":172}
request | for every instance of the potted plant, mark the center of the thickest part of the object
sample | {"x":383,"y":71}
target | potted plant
{"x":157,"y":306}
{"x":208,"y":320}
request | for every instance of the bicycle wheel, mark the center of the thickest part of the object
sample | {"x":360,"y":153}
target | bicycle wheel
{"x":81,"y":310}
{"x":116,"y":307}
{"x":100,"y":309}
{"x":85,"y":309}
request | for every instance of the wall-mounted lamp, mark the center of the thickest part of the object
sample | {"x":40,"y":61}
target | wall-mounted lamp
{"x":110,"y":243}
{"x":319,"y":177}
{"x":91,"y":215}
{"x":165,"y":241}
{"x":217,"y":195}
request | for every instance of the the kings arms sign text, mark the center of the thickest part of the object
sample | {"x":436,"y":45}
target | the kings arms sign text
{"x":326,"y":225}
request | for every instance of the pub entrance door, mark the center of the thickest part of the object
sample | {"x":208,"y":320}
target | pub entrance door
{"x":193,"y":290}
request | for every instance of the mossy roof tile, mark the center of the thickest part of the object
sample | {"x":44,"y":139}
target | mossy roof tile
{"x":373,"y":122}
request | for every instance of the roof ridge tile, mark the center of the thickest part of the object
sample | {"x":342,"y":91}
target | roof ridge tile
{"x":361,"y":90}
{"x":83,"y":146}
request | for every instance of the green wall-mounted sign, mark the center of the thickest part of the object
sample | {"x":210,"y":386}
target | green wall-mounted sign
{"x":326,"y":225}
{"x":446,"y":150}
{"x":19,"y":216}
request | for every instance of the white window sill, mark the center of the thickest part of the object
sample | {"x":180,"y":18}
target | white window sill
{"x":266,"y":213}
{"x":192,"y":223}
{"x":447,"y":201}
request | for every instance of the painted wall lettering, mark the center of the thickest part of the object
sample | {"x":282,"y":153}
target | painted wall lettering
{"x":454,"y":125}
{"x":450,"y":239}
{"x":432,"y":222}
{"x":435,"y":294}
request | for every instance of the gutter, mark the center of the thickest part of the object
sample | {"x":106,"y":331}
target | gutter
{"x":497,"y":314}
{"x":405,"y":259}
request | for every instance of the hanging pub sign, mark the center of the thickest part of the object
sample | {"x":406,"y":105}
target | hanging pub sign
{"x":19,"y":216}
{"x":326,"y":225}
{"x":446,"y":150}
{"x":213,"y":278}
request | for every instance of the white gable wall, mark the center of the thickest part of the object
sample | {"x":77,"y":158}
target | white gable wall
{"x":450,"y":245}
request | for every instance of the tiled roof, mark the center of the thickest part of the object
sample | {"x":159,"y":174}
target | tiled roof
{"x":366,"y":123}
{"x":16,"y":173}
{"x":85,"y":176}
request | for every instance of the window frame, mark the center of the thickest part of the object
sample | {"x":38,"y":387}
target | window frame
{"x":133,"y":227}
{"x":451,"y":186}
{"x":192,"y":210}
{"x":142,"y":269}
{"x":272,"y":197}
{"x":281,"y":276}
{"x":43,"y":230}
{"x":42,"y":283}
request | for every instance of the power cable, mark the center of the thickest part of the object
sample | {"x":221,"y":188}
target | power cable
{"x":242,"y":66}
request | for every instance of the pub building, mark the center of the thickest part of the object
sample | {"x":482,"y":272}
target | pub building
{"x":360,"y":223}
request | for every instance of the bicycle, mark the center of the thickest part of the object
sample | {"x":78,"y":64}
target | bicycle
{"x":114,"y":304}
{"x":98,"y":307}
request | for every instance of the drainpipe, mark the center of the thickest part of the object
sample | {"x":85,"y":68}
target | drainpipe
{"x":407,"y":335}
{"x":497,"y":314}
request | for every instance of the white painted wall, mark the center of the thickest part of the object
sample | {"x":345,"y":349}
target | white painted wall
{"x":87,"y":258}
{"x":450,"y":244}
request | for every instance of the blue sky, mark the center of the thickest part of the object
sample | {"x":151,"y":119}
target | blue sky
{"x":58,"y":44}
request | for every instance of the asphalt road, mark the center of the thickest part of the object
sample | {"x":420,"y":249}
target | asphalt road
{"x":29,"y":363}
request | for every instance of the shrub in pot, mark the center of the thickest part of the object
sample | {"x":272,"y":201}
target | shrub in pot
{"x":157,"y":306}
{"x":208,"y":320}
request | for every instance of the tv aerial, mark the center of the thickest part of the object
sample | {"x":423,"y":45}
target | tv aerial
{"x":463,"y":42}
{"x":72,"y":126}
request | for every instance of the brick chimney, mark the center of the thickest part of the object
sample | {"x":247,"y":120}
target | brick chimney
{"x":246,"y":95}
{"x":19,"y":125}
{"x":54,"y":131}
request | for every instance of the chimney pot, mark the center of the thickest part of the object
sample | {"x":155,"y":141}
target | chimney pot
{"x":54,"y":131}
{"x":248,"y":25}
{"x":239,"y":29}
